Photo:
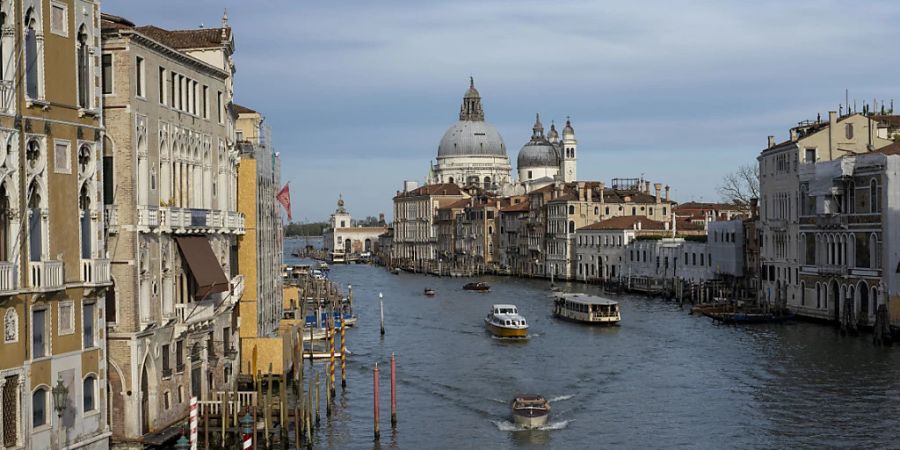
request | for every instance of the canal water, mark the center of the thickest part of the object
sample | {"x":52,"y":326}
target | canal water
{"x":663,"y":379}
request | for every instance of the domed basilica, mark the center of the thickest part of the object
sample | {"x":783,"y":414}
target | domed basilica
{"x":472,"y":153}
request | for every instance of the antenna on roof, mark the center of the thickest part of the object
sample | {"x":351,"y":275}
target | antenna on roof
{"x":847,"y":98}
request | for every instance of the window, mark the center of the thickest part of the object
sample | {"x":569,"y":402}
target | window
{"x":106,"y":73}
{"x":162,"y":86}
{"x":205,"y":99}
{"x":179,"y":361}
{"x":180,"y":394}
{"x":39,"y":330}
{"x":61,"y":160}
{"x":139,"y":75}
{"x":810,"y":156}
{"x":59,"y":19}
{"x":167,"y":400}
{"x":84,"y":73}
{"x":873,"y":196}
{"x":529,"y":175}
{"x":90,"y":392}
{"x":194,"y":98}
{"x":219,"y":105}
{"x":31,"y":56}
{"x":848,"y":131}
{"x":173,"y":78}
{"x":39,"y":407}
{"x":87,"y":324}
{"x":66,"y":317}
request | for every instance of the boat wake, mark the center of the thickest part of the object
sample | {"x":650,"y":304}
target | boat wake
{"x":558,"y":399}
{"x":505,"y":425}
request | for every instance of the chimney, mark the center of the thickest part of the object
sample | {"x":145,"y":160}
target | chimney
{"x":639,"y":224}
{"x":832,"y":133}
{"x":581,"y":196}
{"x":754,"y":205}
{"x":771,"y":141}
{"x":793,"y":134}
{"x":602,"y":187}
{"x":667,"y":193}
{"x":590,"y":194}
{"x":658,"y":188}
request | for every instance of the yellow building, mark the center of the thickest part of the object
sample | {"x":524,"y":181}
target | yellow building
{"x":53,"y":270}
{"x":260,"y":249}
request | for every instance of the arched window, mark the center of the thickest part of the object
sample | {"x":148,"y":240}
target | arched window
{"x":487,"y":182}
{"x":84,"y":209}
{"x":571,"y":226}
{"x":35,"y":223}
{"x":89,"y":393}
{"x":851,"y":197}
{"x":39,"y":407}
{"x":818,"y":295}
{"x":451,"y":180}
{"x":31,"y":55}
{"x":596,"y":210}
{"x":848,"y":131}
{"x":571,"y":209}
{"x":633,"y":211}
{"x":84,"y":90}
{"x":802,"y":293}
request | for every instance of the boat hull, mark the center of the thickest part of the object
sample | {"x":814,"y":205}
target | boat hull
{"x":600,"y":322}
{"x":500,"y":331}
{"x":530,"y":418}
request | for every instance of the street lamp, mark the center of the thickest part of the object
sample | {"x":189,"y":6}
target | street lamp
{"x":60,"y":395}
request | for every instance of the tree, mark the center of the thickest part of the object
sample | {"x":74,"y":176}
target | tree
{"x":741,"y":185}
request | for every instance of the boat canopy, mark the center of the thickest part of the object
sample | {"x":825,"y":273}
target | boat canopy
{"x":586,"y":299}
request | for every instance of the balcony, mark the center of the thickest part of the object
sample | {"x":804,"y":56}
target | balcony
{"x":194,"y":314}
{"x":95,"y":272}
{"x":8,"y":278}
{"x":111,"y":218}
{"x":832,"y":221}
{"x":46,"y":276}
{"x":7,"y":97}
{"x":147,"y":218}
{"x":182,"y":220}
{"x":237,"y":287}
{"x":234,"y":222}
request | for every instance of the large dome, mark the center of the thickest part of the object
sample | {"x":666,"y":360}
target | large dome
{"x":471,"y":138}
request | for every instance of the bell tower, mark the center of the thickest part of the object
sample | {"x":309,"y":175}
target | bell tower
{"x":568,"y":162}
{"x":340,"y":218}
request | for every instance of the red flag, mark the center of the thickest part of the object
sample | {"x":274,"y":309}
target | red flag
{"x":284,"y":197}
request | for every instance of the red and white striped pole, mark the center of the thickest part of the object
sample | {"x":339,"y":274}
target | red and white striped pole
{"x":247,"y":429}
{"x":195,"y":414}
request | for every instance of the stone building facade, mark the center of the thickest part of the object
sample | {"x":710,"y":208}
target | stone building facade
{"x":53,"y":267}
{"x":171,"y":197}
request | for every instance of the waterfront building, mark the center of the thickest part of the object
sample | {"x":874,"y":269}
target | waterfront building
{"x":779,"y":167}
{"x":445,"y":224}
{"x":472,"y":152}
{"x":170,"y":185}
{"x":345,"y":242}
{"x":415,"y":235}
{"x":54,"y":272}
{"x":513,"y":236}
{"x":848,"y":236}
{"x":700,"y":212}
{"x":260,"y":248}
{"x":477,"y":236}
{"x":600,"y":246}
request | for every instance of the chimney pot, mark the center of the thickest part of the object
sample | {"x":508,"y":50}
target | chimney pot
{"x":771,"y":141}
{"x":793,"y":134}
{"x":667,"y":193}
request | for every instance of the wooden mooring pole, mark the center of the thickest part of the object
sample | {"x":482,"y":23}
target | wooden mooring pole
{"x":381,"y":306}
{"x":393,"y":392}
{"x":375,"y":400}
{"x":343,"y":356}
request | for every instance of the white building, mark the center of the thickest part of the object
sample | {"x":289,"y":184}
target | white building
{"x":344,"y":241}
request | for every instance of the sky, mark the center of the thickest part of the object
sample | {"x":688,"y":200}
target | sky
{"x":359,"y":93}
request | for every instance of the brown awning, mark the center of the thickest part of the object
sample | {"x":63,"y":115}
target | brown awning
{"x":207,"y":273}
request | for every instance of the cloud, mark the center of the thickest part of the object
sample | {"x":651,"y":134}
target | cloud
{"x":652,"y":86}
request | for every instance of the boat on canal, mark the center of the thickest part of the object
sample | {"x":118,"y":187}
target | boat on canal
{"x":429,"y":292}
{"x":478,"y":286}
{"x":586,"y":309}
{"x":530,"y":411}
{"x":505,"y":321}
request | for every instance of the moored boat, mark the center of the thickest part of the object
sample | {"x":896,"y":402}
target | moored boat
{"x":429,"y":292}
{"x":530,"y":411}
{"x":505,"y":321}
{"x":586,"y":309}
{"x":395,"y":271}
{"x":479,"y":286}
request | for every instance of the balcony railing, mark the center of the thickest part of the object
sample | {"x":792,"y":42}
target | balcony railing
{"x":237,"y":287}
{"x":148,"y":217}
{"x":95,"y":272}
{"x":234,"y":222}
{"x":111,"y":217}
{"x":46,"y":276}
{"x":8,"y":278}
{"x":204,"y":220}
{"x":7,"y":97}
{"x":195,"y":312}
{"x":831,"y":221}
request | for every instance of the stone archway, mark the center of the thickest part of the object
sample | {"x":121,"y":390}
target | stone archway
{"x":833,"y":302}
{"x":115,"y":401}
{"x":145,"y":401}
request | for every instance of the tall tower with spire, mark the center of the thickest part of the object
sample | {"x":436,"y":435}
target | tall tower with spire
{"x":568,"y":164}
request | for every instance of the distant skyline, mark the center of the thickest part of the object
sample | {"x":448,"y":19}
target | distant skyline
{"x":359,"y":93}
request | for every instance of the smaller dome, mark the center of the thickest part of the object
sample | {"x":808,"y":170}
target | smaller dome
{"x":537,"y":153}
{"x":568,"y":131}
